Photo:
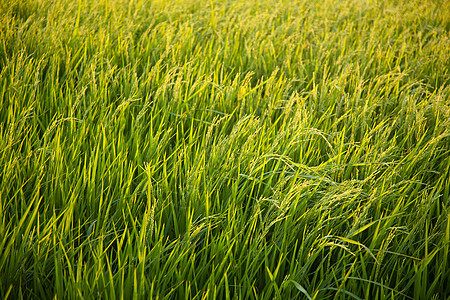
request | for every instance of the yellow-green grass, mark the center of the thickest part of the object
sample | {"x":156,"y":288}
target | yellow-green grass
{"x":224,"y":149}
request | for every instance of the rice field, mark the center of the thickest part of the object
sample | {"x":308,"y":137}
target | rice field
{"x":189,"y":149}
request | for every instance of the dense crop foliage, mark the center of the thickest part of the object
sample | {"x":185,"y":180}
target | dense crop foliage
{"x":224,"y":149}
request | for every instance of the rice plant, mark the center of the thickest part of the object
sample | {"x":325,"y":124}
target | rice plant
{"x":188,"y":149}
